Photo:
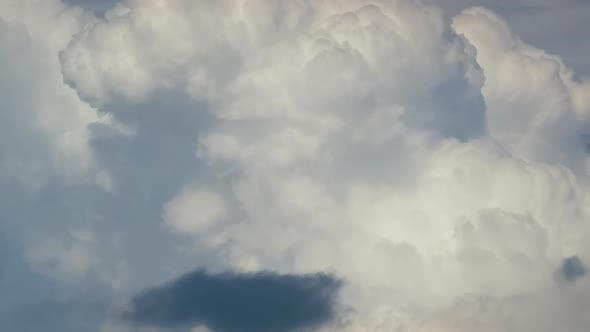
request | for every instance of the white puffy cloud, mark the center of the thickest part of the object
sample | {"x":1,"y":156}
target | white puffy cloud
{"x":194,"y":211}
{"x":420,"y":162}
{"x":43,"y":121}
{"x":534,"y":105}
{"x":438,"y":167}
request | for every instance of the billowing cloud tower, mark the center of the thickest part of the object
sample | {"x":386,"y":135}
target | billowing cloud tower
{"x":399,"y":169}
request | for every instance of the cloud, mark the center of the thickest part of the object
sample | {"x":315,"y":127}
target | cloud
{"x":259,"y":302}
{"x":301,"y":67}
{"x":44,"y":128}
{"x":572,"y":268}
{"x":194,"y":210}
{"x":420,"y":159}
{"x":438,"y":165}
{"x":545,"y":128}
{"x":99,"y":6}
{"x":556,"y":27}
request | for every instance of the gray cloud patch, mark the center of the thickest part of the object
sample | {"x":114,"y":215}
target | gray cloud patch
{"x":572,"y":268}
{"x":233,"y":302}
{"x":99,"y":6}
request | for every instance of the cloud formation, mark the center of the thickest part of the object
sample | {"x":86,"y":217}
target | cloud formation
{"x":437,"y":165}
{"x":227,"y":302}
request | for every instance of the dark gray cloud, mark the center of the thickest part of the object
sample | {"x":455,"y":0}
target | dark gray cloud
{"x":258,"y":302}
{"x":572,"y":268}
{"x":99,"y":6}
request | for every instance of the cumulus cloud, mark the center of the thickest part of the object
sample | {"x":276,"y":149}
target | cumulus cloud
{"x":238,"y":302}
{"x":535,"y":106}
{"x":193,"y":211}
{"x":374,"y":139}
{"x":438,"y":166}
{"x":43,"y":122}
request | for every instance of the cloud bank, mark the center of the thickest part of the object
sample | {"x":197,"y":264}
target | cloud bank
{"x":439,"y":166}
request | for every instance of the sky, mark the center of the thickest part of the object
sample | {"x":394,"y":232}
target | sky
{"x":286,"y":166}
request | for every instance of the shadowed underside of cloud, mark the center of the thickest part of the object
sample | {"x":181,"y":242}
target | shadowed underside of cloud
{"x":572,"y":268}
{"x":238,"y":302}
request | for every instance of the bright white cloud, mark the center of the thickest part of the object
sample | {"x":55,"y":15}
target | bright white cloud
{"x":534,"y":106}
{"x":194,"y":211}
{"x":438,"y":167}
{"x":359,"y":143}
{"x":43,"y":121}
